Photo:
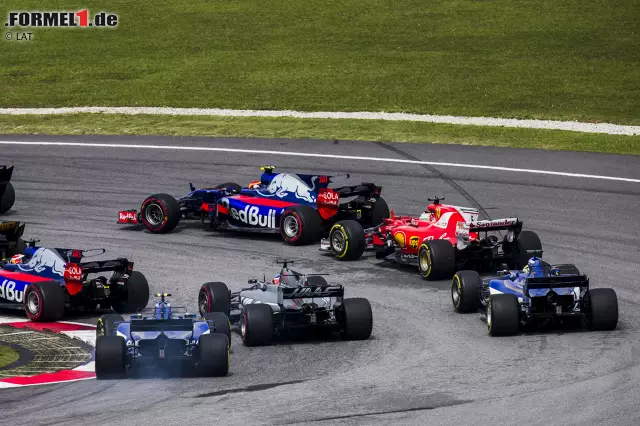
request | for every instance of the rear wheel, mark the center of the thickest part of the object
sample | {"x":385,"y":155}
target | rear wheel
{"x":257,"y":325}
{"x":379,"y":212}
{"x":213,"y":351}
{"x":600,"y":307}
{"x":527,"y":241}
{"x":44,"y":301}
{"x":436,"y":259}
{"x":214,"y":297}
{"x":110,"y":358}
{"x":136,"y":295}
{"x":160,"y":213}
{"x":356,"y":319}
{"x":7,"y":199}
{"x":221,"y":324}
{"x":347,"y":240}
{"x":503,"y":315}
{"x":106,"y":326}
{"x":301,"y":225}
{"x":464,"y":291}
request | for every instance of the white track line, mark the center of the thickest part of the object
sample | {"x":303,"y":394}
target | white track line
{"x":574,"y":126}
{"x":311,"y":154}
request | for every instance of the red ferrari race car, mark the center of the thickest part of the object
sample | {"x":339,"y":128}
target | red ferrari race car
{"x":443,"y":240}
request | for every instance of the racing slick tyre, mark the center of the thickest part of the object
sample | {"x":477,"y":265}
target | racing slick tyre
{"x":231,"y":187}
{"x":316,"y":281}
{"x":600,"y":307}
{"x":528,"y":240}
{"x":44,"y":301}
{"x":7,"y":199}
{"x":379,"y":212}
{"x":301,"y":225}
{"x":346,"y":240}
{"x":136,"y":296}
{"x":356,"y":319}
{"x":464,"y":291}
{"x":503,"y":315}
{"x":221,"y":324}
{"x":214,"y":297}
{"x":110,"y":358}
{"x":106,"y":326}
{"x":160,"y":213}
{"x":257,"y":325}
{"x":213,"y":355}
{"x":436,"y":259}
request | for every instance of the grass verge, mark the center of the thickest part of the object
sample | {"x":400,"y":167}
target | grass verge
{"x":7,"y":355}
{"x":569,"y":60}
{"x":368,"y":130}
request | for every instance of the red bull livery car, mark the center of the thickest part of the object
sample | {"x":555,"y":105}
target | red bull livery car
{"x":300,"y":207}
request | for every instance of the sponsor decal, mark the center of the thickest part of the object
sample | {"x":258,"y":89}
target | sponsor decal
{"x":408,"y":256}
{"x":7,"y":226}
{"x":72,"y":272}
{"x":42,"y":260}
{"x":285,"y":184}
{"x":414,"y":242}
{"x":438,"y":212}
{"x":128,"y":216}
{"x":462,"y":229}
{"x":251,"y":216}
{"x":328,"y":197}
{"x":496,"y":222}
{"x":400,"y":238}
{"x":8,"y":291}
{"x":308,"y":292}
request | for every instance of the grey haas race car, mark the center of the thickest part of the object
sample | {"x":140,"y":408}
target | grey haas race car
{"x":291,"y":301}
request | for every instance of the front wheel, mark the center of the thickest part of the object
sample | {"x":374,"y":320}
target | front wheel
{"x":160,"y":213}
{"x":347,"y":240}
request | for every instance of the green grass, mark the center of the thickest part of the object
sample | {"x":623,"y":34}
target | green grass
{"x":570,"y":59}
{"x":373,"y":130}
{"x":7,"y":355}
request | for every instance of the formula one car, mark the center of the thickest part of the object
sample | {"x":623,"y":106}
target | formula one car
{"x":300,"y":207}
{"x":161,"y":337}
{"x":539,"y":294}
{"x":290,"y":301}
{"x":443,"y":240}
{"x":43,"y":281}
{"x":7,"y":193}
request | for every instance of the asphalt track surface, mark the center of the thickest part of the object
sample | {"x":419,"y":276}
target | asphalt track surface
{"x":424,"y":364}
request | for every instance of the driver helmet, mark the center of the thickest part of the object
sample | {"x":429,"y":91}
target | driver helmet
{"x":428,"y":214}
{"x":16,"y":259}
{"x":254,"y":184}
{"x":276,"y":279}
{"x":160,"y":313}
{"x":534,"y":267}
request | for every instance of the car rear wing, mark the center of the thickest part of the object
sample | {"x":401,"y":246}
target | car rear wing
{"x":309,"y":292}
{"x":365,"y":189}
{"x":5,"y":177}
{"x":581,"y":281}
{"x":12,"y":231}
{"x":142,"y":325}
{"x":120,"y":265}
{"x":510,"y":223}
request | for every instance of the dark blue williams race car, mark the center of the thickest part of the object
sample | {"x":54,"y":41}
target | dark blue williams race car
{"x":7,"y":193}
{"x":301,"y":207}
{"x":44,"y":281}
{"x":540,"y":294}
{"x":291,"y":302}
{"x":162,"y":336}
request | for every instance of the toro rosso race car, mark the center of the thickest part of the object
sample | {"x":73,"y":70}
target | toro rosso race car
{"x":539,"y":294}
{"x":291,"y":301}
{"x":443,"y":240}
{"x":163,"y":336}
{"x":7,"y":193}
{"x":43,"y":281}
{"x":300,"y":207}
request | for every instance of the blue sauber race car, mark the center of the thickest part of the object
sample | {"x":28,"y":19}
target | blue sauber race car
{"x":300,"y":207}
{"x":7,"y":193}
{"x":540,"y":294}
{"x":44,"y":281}
{"x":161,"y":337}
